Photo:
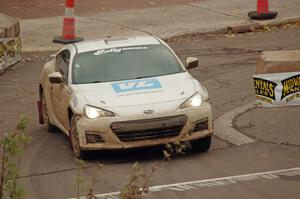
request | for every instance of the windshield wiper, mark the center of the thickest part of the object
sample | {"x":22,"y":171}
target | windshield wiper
{"x":93,"y":82}
{"x":142,"y":77}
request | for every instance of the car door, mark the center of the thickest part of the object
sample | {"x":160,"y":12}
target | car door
{"x":60,"y":93}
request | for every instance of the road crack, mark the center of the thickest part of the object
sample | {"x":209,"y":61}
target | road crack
{"x":215,"y":11}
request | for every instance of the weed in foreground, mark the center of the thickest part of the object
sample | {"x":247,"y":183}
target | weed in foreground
{"x":138,"y":181}
{"x":80,"y":185}
{"x":12,"y":145}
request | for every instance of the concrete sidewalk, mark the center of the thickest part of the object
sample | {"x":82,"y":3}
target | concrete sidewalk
{"x":197,"y":17}
{"x":281,"y":125}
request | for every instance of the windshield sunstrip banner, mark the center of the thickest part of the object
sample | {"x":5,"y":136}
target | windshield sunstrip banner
{"x":119,"y":50}
{"x":277,"y":89}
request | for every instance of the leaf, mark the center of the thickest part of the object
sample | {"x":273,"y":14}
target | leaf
{"x":167,"y":155}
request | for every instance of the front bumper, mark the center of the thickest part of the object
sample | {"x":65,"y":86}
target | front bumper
{"x":155,"y":129}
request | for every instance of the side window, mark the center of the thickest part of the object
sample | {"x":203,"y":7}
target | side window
{"x":62,"y":63}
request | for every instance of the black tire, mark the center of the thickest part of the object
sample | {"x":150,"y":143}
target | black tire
{"x":48,"y":126}
{"x":201,"y":145}
{"x":254,"y":15}
{"x":74,"y":139}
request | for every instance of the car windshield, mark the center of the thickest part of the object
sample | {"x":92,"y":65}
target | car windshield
{"x":124,"y":63}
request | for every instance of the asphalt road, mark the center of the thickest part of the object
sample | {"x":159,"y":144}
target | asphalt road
{"x":227,"y":64}
{"x":47,"y":8}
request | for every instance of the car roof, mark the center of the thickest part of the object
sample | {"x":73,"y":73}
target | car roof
{"x":114,"y":42}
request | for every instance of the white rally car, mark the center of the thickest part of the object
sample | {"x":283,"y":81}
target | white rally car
{"x":119,"y":93}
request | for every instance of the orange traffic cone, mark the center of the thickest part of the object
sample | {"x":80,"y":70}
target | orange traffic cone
{"x":262,"y":11}
{"x":68,"y":26}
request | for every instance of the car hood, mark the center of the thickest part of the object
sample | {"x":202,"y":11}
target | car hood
{"x":140,"y":91}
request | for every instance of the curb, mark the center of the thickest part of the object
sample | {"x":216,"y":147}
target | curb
{"x":258,"y":25}
{"x":42,"y":49}
{"x":251,"y":27}
{"x":243,"y":28}
{"x":223,"y":127}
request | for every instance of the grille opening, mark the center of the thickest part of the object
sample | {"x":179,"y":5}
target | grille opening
{"x":201,"y":125}
{"x":149,"y":129}
{"x":149,"y":134}
{"x":92,"y":137}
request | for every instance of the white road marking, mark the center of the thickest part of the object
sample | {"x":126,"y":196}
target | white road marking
{"x":185,"y":186}
{"x":223,"y":127}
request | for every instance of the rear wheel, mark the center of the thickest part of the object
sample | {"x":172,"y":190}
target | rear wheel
{"x":201,"y":145}
{"x":48,"y":126}
{"x":74,"y":139}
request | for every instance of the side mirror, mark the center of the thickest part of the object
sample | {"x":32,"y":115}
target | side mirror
{"x":191,"y":62}
{"x":55,"y":78}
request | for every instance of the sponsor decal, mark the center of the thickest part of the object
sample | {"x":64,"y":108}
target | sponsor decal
{"x":136,"y":85}
{"x":126,"y":94}
{"x":263,"y":99}
{"x":290,"y":86}
{"x":265,"y":88}
{"x":119,"y":50}
{"x":277,"y":89}
{"x":292,"y":97}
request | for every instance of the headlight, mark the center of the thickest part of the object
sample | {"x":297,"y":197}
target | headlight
{"x":93,"y":112}
{"x":195,"y":101}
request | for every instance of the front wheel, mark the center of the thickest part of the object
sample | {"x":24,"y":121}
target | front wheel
{"x":74,"y":139}
{"x":201,"y":145}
